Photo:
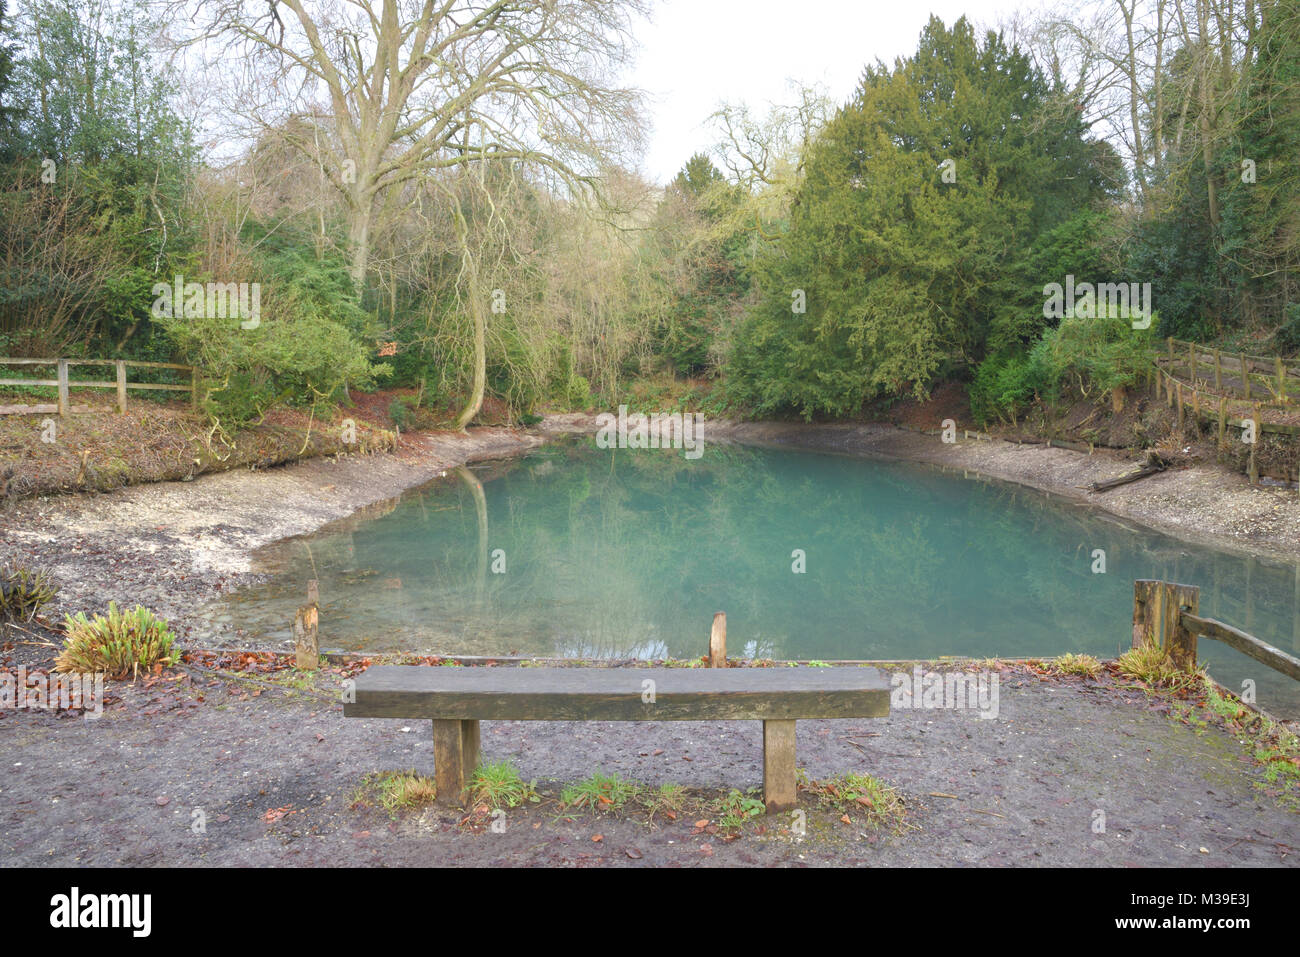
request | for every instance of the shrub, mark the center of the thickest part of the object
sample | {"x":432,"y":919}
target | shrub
{"x":117,"y":645}
{"x":23,"y":592}
{"x":1287,"y":337}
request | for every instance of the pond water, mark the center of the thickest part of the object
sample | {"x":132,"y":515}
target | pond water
{"x":580,"y":551}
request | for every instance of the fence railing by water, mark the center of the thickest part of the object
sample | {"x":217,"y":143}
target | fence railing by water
{"x":1165,"y":614}
{"x":63,"y":384}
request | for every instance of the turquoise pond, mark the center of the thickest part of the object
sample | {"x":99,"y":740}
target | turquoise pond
{"x":580,"y":551}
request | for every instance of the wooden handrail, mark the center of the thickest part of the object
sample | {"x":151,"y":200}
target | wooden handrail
{"x":1165,"y":614}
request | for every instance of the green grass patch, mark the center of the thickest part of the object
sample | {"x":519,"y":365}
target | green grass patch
{"x":1072,"y":664}
{"x":500,"y":785}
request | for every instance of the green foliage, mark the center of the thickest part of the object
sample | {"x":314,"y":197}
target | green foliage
{"x":902,"y":267}
{"x":118,"y":645}
{"x":23,"y":592}
{"x":500,"y":785}
{"x":600,"y":792}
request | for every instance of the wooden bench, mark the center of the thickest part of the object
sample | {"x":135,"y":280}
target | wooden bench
{"x":456,"y":699}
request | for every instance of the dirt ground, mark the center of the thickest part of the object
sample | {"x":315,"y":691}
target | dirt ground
{"x":1071,"y":772}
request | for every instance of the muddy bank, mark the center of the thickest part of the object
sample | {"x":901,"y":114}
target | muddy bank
{"x":173,"y":544}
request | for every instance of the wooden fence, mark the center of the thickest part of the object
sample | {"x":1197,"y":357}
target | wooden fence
{"x":1269,"y":379}
{"x":63,"y":384}
{"x":1165,"y":614}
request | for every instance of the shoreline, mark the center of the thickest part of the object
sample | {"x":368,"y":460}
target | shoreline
{"x":174,"y":545}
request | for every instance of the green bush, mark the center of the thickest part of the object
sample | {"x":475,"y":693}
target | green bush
{"x":1287,"y":338}
{"x":122,"y":643}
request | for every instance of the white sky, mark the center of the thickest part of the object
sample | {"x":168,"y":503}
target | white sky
{"x":696,"y":54}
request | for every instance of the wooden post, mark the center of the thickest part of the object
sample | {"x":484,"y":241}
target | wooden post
{"x":1148,"y":599}
{"x":1245,"y":375}
{"x":1177,"y":640}
{"x":779,"y":789}
{"x":718,"y":641}
{"x":64,"y":407}
{"x":1180,"y":408}
{"x":121,"y":387}
{"x":306,"y":641}
{"x":1218,"y":371}
{"x":1252,"y":467}
{"x":194,"y":387}
{"x":455,"y":756}
{"x":1157,"y":618}
{"x":1281,"y":380}
{"x":313,"y":591}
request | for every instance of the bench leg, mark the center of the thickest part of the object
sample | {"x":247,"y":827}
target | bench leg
{"x":778,"y":766}
{"x":455,"y":756}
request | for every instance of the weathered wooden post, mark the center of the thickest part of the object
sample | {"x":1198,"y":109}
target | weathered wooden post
{"x":1158,"y":607}
{"x":1218,"y":371}
{"x":306,"y":625}
{"x":718,"y":641}
{"x":780,"y":790}
{"x":1180,"y":408}
{"x":1178,"y":640}
{"x":121,"y":387}
{"x":1281,"y":380}
{"x":64,"y":407}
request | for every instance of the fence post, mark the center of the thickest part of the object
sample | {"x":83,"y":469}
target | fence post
{"x":718,"y":641}
{"x":1147,"y":601}
{"x":1281,"y":380}
{"x":64,"y":407}
{"x":1218,"y":371}
{"x":1158,"y":608}
{"x":121,"y":386}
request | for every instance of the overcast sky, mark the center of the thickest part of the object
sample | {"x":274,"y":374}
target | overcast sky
{"x":698,"y":53}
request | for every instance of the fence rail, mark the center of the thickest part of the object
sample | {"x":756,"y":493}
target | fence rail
{"x":1258,"y":377}
{"x":64,"y":384}
{"x":1165,"y":614}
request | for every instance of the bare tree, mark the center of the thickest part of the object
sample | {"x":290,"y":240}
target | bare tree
{"x":392,"y":90}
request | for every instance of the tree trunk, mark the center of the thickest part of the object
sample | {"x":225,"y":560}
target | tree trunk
{"x":477,"y":310}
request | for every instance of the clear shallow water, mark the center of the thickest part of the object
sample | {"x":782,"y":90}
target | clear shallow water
{"x":622,"y":553}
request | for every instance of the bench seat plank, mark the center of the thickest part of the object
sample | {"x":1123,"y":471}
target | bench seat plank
{"x":616,"y":694}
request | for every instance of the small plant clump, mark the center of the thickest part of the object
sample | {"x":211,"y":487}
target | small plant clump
{"x":600,"y":792}
{"x":876,"y":803}
{"x":395,"y":790}
{"x":23,"y":592}
{"x":121,"y":644}
{"x":1153,"y":665}
{"x":1073,"y":664}
{"x":500,"y":785}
